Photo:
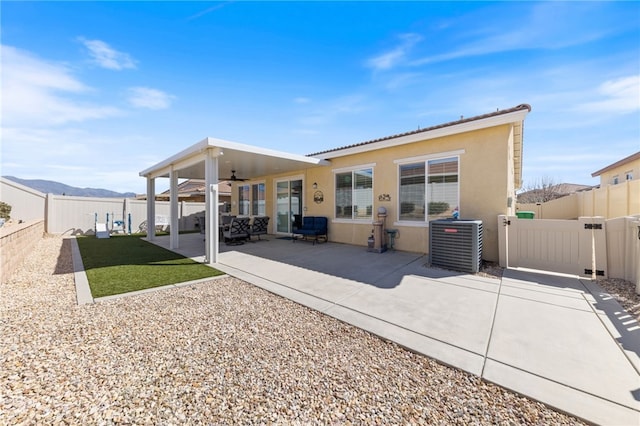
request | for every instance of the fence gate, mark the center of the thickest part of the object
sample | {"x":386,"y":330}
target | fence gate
{"x":576,"y":247}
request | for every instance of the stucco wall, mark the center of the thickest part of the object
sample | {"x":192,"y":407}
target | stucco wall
{"x":485,"y":170}
{"x":606,"y":178}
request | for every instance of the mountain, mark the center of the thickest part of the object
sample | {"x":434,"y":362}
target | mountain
{"x":57,"y":188}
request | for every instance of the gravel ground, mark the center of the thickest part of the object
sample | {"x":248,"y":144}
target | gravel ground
{"x":221,"y":352}
{"x":625,"y":293}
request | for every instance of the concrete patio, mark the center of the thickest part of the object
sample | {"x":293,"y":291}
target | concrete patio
{"x":557,"y":339}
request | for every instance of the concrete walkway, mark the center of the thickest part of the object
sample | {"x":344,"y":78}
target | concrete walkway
{"x":557,"y":339}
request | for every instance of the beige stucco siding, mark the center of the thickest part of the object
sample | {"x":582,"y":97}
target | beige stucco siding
{"x":606,"y":178}
{"x":486,"y":181}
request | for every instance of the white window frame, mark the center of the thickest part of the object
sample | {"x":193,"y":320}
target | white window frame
{"x":240,"y":200}
{"x":274,"y":199}
{"x":335,"y":201}
{"x":251,"y":200}
{"x":423,"y":158}
{"x":250,"y":184}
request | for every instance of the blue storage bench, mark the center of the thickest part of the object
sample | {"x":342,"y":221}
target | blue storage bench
{"x":314,"y":228}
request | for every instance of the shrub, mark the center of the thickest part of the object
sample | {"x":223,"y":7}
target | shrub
{"x":5,"y":211}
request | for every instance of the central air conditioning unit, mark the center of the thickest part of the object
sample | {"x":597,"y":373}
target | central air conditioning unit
{"x":456,"y":244}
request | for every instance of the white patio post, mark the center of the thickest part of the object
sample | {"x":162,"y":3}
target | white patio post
{"x":173,"y":208}
{"x":151,"y":208}
{"x":211,"y":209}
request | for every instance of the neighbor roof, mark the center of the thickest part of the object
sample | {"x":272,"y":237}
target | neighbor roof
{"x":457,"y":126}
{"x":619,"y":163}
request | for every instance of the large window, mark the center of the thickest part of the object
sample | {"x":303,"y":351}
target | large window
{"x":354,"y":194}
{"x":258,"y":206}
{"x":429,"y":189}
{"x":251,"y":200}
{"x":243,"y":200}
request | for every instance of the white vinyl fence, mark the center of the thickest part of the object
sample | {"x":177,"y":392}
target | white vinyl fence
{"x":26,"y":204}
{"x":590,"y":246}
{"x":78,"y":215}
{"x":71,"y":215}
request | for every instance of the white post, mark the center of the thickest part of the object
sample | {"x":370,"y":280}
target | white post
{"x":211,"y":209}
{"x":125,"y":210}
{"x":151,"y":209}
{"x":173,"y":208}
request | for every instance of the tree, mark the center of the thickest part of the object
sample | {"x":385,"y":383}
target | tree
{"x":541,"y":190}
{"x":5,"y":211}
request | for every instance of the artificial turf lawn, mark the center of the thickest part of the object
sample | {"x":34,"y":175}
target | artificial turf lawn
{"x":125,"y":263}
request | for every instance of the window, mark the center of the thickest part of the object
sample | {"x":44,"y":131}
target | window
{"x":429,"y":189}
{"x":615,"y":180}
{"x":251,"y":199}
{"x":354,"y":194}
{"x":243,"y":200}
{"x":412,"y":192}
{"x":629,"y":175}
{"x":258,"y":206}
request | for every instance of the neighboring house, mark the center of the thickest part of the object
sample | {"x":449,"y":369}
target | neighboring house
{"x":471,"y":167}
{"x":193,"y":190}
{"x":626,"y":169}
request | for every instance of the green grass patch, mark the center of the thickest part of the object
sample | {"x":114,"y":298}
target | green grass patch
{"x":125,"y":263}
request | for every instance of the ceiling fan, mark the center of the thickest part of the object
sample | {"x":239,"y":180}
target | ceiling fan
{"x":233,"y":177}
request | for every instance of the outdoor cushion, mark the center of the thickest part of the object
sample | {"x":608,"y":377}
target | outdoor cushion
{"x":314,"y":227}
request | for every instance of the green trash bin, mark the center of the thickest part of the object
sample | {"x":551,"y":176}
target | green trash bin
{"x":525,"y":215}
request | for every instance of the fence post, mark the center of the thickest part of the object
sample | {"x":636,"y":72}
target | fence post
{"x":503,"y":243}
{"x":592,"y":249}
{"x":632,"y":249}
{"x":49,"y":212}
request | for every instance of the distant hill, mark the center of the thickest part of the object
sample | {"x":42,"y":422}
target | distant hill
{"x":57,"y":188}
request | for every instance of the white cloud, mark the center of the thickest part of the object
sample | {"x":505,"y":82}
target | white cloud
{"x":617,"y":96}
{"x":107,"y":57}
{"x":37,"y":92}
{"x":546,"y":25}
{"x":77,"y":157}
{"x":145,"y":97}
{"x":301,"y":100}
{"x":396,"y":55}
{"x":208,"y":10}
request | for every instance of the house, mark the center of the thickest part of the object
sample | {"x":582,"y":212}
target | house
{"x":550,"y":191}
{"x":626,"y":169}
{"x":193,"y":190}
{"x":471,"y":167}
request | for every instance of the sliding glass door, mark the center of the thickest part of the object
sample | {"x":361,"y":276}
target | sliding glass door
{"x":288,"y":204}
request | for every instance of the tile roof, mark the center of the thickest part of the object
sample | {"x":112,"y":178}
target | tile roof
{"x":195,"y":186}
{"x":618,"y":163}
{"x":520,"y":107}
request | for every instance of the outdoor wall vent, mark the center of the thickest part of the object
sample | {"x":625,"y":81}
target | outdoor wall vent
{"x":456,"y":244}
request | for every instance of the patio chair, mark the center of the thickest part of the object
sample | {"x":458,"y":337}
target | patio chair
{"x":260,"y":226}
{"x":238,"y":231}
{"x":223,"y":224}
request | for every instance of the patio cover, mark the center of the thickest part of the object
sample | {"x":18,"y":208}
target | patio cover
{"x":213,"y":160}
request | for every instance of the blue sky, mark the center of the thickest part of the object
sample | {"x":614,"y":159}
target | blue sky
{"x":93,"y":93}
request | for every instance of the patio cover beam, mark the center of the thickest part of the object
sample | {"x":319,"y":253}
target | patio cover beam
{"x":211,"y":159}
